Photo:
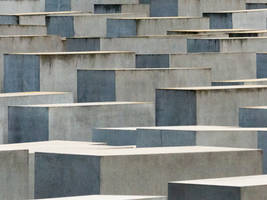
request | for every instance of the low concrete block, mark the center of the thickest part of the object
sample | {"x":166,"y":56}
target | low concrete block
{"x":57,"y":71}
{"x":234,"y":188}
{"x":74,"y":121}
{"x":126,"y":27}
{"x":135,"y":84}
{"x":112,"y":197}
{"x":215,"y":105}
{"x":227,"y":66}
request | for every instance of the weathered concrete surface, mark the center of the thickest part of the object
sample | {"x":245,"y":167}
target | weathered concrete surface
{"x":27,"y":44}
{"x":80,"y":25}
{"x":237,"y":19}
{"x":74,"y":121}
{"x":57,"y":71}
{"x":225,"y":66}
{"x":234,"y":188}
{"x":26,"y":99}
{"x":22,"y":30}
{"x":217,"y":105}
{"x":112,"y":197}
{"x":135,"y":84}
{"x":261,"y":81}
{"x":125,"y":27}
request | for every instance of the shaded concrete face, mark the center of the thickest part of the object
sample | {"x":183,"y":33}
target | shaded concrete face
{"x":261,"y":65}
{"x":226,"y":83}
{"x":161,"y":138}
{"x":22,"y":73}
{"x":106,"y":8}
{"x":183,"y":114}
{"x":59,"y":175}
{"x":152,"y":61}
{"x":262,"y":144}
{"x":199,"y":45}
{"x":96,"y":86}
{"x":220,"y":20}
{"x":121,"y":28}
{"x":57,"y":5}
{"x":163,"y":8}
{"x":249,"y":117}
{"x":36,"y":130}
{"x":82,"y":44}
{"x":5,"y":19}
{"x":202,"y":192}
{"x":256,"y":5}
{"x":60,"y":25}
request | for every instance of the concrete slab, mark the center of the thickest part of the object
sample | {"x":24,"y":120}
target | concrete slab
{"x":7,"y":29}
{"x":74,"y":121}
{"x":234,"y":188}
{"x":237,"y":19}
{"x":225,"y":66}
{"x":57,"y":71}
{"x":77,"y":25}
{"x":125,"y":27}
{"x":112,"y":197}
{"x":9,"y":99}
{"x":135,"y":84}
{"x":119,"y":171}
{"x":216,"y":105}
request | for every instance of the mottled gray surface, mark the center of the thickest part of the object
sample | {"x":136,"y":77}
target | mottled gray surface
{"x":203,"y":45}
{"x":220,"y":20}
{"x":22,"y":73}
{"x":249,"y":117}
{"x":261,"y":64}
{"x":82,"y":44}
{"x":256,"y":5}
{"x":175,"y":107}
{"x":9,"y":19}
{"x":152,"y":61}
{"x":163,"y":8}
{"x":57,"y":5}
{"x":262,"y":144}
{"x":60,"y":25}
{"x":121,"y":28}
{"x":107,"y":8}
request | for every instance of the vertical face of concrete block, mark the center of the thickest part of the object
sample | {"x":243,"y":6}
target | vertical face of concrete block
{"x":163,"y":8}
{"x":256,"y":5}
{"x":82,"y":44}
{"x":199,"y":192}
{"x":203,"y":45}
{"x":121,"y":28}
{"x":262,"y":144}
{"x":60,"y":25}
{"x":57,"y":5}
{"x":6,"y":19}
{"x":261,"y":64}
{"x":96,"y":86}
{"x":252,"y":117}
{"x":175,"y":107}
{"x":27,"y":124}
{"x":220,"y":20}
{"x":59,"y":175}
{"x":22,"y":73}
{"x":107,"y":8}
{"x":152,"y":61}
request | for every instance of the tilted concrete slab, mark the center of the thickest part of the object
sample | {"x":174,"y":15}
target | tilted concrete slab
{"x":238,"y":19}
{"x":216,"y":105}
{"x":125,"y":27}
{"x":77,"y":25}
{"x":260,"y":81}
{"x":74,"y":121}
{"x":129,"y":171}
{"x":57,"y":71}
{"x":225,"y":66}
{"x":234,"y":188}
{"x":31,"y":43}
{"x":26,"y":98}
{"x":135,"y":84}
{"x":112,"y":197}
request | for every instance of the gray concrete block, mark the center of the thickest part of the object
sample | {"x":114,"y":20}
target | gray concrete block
{"x":162,"y":8}
{"x":206,"y":45}
{"x":121,"y":28}
{"x":5,"y":19}
{"x":20,"y":30}
{"x":220,"y":20}
{"x":112,"y":197}
{"x":216,"y":105}
{"x":107,"y":8}
{"x":234,"y":188}
{"x":82,"y":44}
{"x":43,"y":71}
{"x":74,"y":121}
{"x":252,"y":117}
{"x":135,"y":84}
{"x":152,"y":61}
{"x":57,"y":5}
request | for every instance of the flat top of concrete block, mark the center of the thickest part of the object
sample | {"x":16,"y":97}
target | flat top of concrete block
{"x":74,"y":53}
{"x":21,"y":94}
{"x":239,"y":87}
{"x":242,"y":181}
{"x":237,"y":11}
{"x":243,"y":80}
{"x":83,"y":104}
{"x":188,"y":128}
{"x":256,"y":107}
{"x":148,"y":69}
{"x":110,"y":197}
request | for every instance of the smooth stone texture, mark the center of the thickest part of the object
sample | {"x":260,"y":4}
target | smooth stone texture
{"x":57,"y":71}
{"x":74,"y":121}
{"x":216,"y":105}
{"x":234,"y":188}
{"x":135,"y":84}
